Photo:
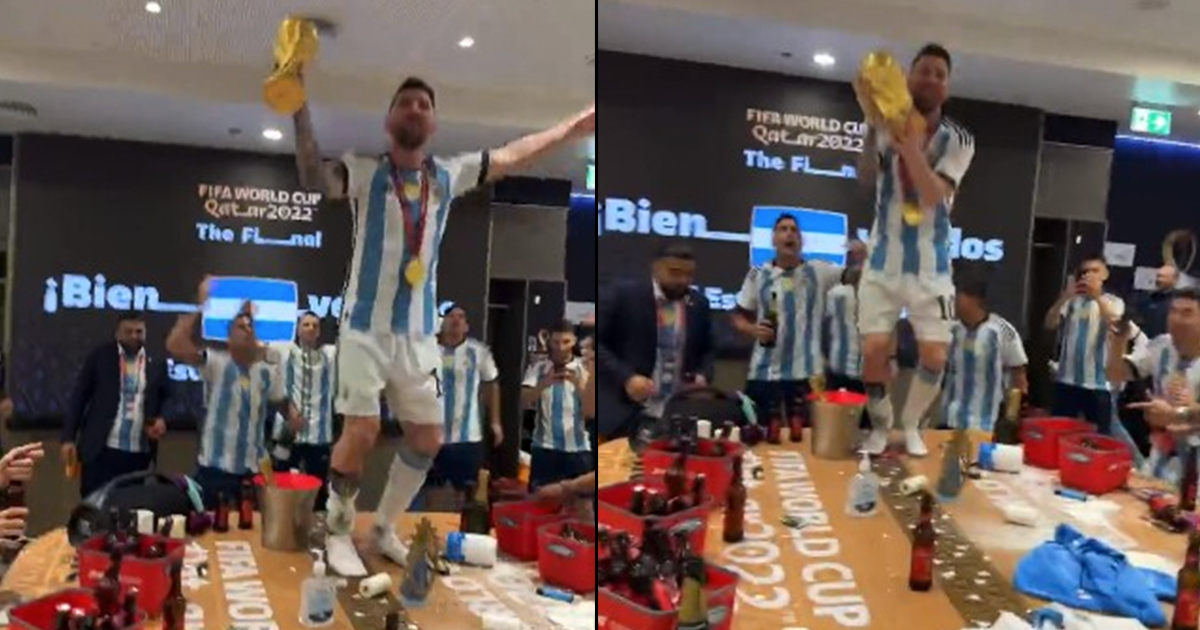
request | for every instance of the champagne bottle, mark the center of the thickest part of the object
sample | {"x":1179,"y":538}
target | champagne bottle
{"x":1187,"y":597}
{"x":1008,"y":427}
{"x":693,"y":608}
{"x":476,"y":517}
{"x":734,"y":523}
{"x":920,"y":576}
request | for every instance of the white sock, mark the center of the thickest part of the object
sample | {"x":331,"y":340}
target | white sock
{"x":405,"y":478}
{"x":925,"y":388}
{"x":879,"y":407}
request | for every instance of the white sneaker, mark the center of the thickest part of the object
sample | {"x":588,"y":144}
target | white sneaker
{"x":877,"y":442}
{"x":342,"y":557}
{"x":388,"y":543}
{"x":914,"y":444}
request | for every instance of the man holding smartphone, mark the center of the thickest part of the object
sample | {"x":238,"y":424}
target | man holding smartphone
{"x":1083,"y":316}
{"x":553,"y":387}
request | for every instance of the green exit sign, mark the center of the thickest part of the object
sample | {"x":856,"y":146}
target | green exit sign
{"x":591,"y":177}
{"x":1152,"y":121}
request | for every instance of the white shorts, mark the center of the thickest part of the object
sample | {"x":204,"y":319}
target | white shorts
{"x":403,"y":368}
{"x":929,"y":301}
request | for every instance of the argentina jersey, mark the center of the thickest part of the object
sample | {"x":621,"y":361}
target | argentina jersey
{"x":379,"y":296}
{"x":238,"y":402}
{"x":845,"y":350}
{"x":127,"y":430}
{"x":979,"y":361}
{"x":308,"y":377}
{"x":560,"y":410}
{"x":1160,"y":361}
{"x":797,"y":296}
{"x":1083,"y":357}
{"x":464,"y":368}
{"x":923,"y":250}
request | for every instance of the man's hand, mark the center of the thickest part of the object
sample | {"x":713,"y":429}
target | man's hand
{"x":157,"y":429}
{"x":586,"y":124}
{"x":497,"y":433}
{"x":553,"y":494}
{"x":764,"y":332}
{"x":69,"y":454}
{"x":1160,"y":414}
{"x":639,"y":388}
{"x":17,"y":464}
{"x":297,"y":423}
{"x":12,"y":522}
{"x":551,"y":379}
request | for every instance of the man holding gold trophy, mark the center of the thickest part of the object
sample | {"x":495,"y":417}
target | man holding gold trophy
{"x":387,"y":344}
{"x":916,"y":158}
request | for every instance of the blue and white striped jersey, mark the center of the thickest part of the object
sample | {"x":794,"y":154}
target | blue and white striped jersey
{"x":127,"y":430}
{"x":464,"y":368}
{"x":845,"y":344}
{"x":378,"y":296}
{"x":1083,"y":357}
{"x":1160,"y":361}
{"x":797,"y":296}
{"x":897,"y":248}
{"x":560,"y":424}
{"x":234,"y":431}
{"x":979,"y":360}
{"x":309,"y":379}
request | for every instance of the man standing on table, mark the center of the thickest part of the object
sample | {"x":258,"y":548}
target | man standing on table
{"x":1083,"y":315}
{"x":1172,"y":363}
{"x":782,"y":307}
{"x":986,"y":356}
{"x":241,"y":389}
{"x":401,"y":202}
{"x":916,"y":176}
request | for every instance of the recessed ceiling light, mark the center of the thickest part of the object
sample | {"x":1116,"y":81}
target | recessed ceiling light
{"x":824,"y":59}
{"x":153,"y":7}
{"x":466,"y":42}
{"x":273,"y":135}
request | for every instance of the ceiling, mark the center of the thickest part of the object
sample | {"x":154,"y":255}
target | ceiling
{"x":193,"y":73}
{"x":1082,"y":57}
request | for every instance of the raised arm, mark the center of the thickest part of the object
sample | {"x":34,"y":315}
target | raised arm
{"x":868,"y":160}
{"x":520,"y":153}
{"x":327,"y":178}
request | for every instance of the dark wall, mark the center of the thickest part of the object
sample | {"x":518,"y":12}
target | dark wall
{"x":122,"y":213}
{"x":1152,"y":194}
{"x":676,"y":135}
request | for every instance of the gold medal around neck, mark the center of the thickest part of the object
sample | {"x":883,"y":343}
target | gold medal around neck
{"x":412,"y":190}
{"x":296,"y":45}
{"x":912,"y":214}
{"x":414,"y":272}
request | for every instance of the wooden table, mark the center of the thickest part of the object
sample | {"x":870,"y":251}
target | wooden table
{"x":844,"y":572}
{"x":252,"y":588}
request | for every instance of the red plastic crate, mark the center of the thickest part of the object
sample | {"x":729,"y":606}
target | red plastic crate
{"x":614,"y":502}
{"x":1098,"y":467}
{"x":1041,"y":435}
{"x":151,"y":577}
{"x":517,"y":524}
{"x":718,"y":471}
{"x":568,"y":563}
{"x":617,"y":613}
{"x":41,"y":613}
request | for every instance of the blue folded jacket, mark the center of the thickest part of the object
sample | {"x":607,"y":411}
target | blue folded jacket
{"x":1084,"y":573}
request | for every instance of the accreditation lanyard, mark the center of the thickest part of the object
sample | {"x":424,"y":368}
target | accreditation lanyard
{"x":414,"y":219}
{"x":129,"y":394}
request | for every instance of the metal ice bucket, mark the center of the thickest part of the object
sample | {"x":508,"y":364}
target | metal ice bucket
{"x":835,"y":417}
{"x":287,"y":510}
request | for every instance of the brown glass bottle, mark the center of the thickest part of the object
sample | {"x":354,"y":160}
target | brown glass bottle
{"x":796,"y":420}
{"x":129,"y":608}
{"x":676,"y":476}
{"x":175,"y":605}
{"x":734,"y":530}
{"x":1187,"y":596}
{"x":475,"y":513}
{"x":221,"y":520}
{"x":775,"y":425}
{"x":14,"y":497}
{"x":771,"y":318}
{"x":638,"y":505}
{"x":699,"y":489}
{"x":1187,"y":483}
{"x":693,"y":609}
{"x":108,"y":589}
{"x":246,"y":506}
{"x":920,"y":576}
{"x":62,"y":617}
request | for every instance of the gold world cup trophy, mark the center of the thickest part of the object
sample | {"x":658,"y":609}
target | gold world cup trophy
{"x":885,"y":99}
{"x":296,"y":46}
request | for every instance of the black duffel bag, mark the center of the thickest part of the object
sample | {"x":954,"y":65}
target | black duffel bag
{"x":144,"y":490}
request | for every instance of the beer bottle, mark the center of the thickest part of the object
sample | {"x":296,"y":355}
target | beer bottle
{"x":656,"y":504}
{"x":920,"y":577}
{"x":1187,"y":483}
{"x":604,"y":558}
{"x":734,"y":529}
{"x":221,"y":522}
{"x":391,"y":621}
{"x":1187,"y":597}
{"x":1008,"y":427}
{"x":771,"y":318}
{"x":129,"y":611}
{"x":62,"y":617}
{"x":638,"y":506}
{"x":619,"y":557}
{"x":112,"y":539}
{"x":246,"y":505}
{"x":476,"y":517}
{"x":775,"y":424}
{"x":108,"y":589}
{"x":676,"y":477}
{"x":796,"y":420}
{"x":693,"y":609}
{"x":15,"y":497}
{"x":950,"y":483}
{"x":175,"y":606}
{"x":699,"y":490}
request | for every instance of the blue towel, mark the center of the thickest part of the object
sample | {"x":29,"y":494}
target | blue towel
{"x":1084,"y":573}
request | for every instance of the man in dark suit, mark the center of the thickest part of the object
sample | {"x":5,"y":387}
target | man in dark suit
{"x":654,"y":337}
{"x":114,"y":413}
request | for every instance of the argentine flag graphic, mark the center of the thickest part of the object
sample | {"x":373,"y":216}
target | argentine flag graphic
{"x":276,"y":303}
{"x":824,"y":233}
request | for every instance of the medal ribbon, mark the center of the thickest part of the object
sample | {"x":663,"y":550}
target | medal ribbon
{"x":414,"y":226}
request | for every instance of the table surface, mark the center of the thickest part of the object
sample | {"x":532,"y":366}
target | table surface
{"x":846,"y":572}
{"x":253,"y":588}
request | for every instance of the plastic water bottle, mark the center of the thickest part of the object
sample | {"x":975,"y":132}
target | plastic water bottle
{"x":862,"y":500}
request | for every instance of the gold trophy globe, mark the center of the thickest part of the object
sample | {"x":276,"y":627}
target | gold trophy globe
{"x":296,"y":46}
{"x":889,"y":102}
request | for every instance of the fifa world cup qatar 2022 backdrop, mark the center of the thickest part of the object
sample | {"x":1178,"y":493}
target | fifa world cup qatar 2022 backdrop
{"x":106,"y":226}
{"x":713,"y":155}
